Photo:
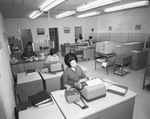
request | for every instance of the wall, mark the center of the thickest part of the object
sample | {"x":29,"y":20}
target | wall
{"x":7,"y":102}
{"x":125,"y":21}
{"x":13,"y":26}
{"x":121,"y":21}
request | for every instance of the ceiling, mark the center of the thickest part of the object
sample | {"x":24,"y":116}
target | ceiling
{"x":22,"y":8}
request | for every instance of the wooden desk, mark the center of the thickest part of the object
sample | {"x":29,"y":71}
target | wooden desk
{"x":85,"y":53}
{"x":28,"y":85}
{"x":48,"y":112}
{"x":52,"y":81}
{"x":22,"y":66}
{"x":110,"y":107}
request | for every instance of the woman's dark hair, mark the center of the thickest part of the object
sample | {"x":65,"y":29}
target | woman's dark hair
{"x":52,"y":51}
{"x":69,"y":57}
{"x":29,"y":43}
{"x":90,"y":37}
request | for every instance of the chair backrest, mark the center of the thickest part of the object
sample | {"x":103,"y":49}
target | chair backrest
{"x":147,"y":71}
{"x":61,"y":83}
{"x":123,"y":59}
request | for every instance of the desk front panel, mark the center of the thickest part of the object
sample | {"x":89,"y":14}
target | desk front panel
{"x":29,"y":88}
{"x":53,"y":84}
{"x":23,"y":66}
{"x":28,"y":85}
{"x":52,"y":81}
{"x":34,"y":65}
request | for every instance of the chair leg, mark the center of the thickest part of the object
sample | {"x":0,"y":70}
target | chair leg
{"x":107,"y":70}
{"x":16,"y":113}
{"x":144,"y":81}
{"x":114,"y":68}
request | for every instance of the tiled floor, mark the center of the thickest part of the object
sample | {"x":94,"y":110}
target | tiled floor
{"x":133,"y":80}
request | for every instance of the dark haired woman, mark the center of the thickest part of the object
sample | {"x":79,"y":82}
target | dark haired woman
{"x":73,"y":73}
{"x":28,"y":52}
{"x":52,"y":58}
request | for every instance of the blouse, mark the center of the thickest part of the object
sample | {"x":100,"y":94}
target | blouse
{"x":70,"y":77}
{"x":52,"y":59}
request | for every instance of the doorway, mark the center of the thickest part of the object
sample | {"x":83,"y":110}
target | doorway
{"x":26,"y":37}
{"x":78,"y":32}
{"x":53,"y":33}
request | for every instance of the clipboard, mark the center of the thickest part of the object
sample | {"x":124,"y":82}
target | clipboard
{"x":118,"y":89}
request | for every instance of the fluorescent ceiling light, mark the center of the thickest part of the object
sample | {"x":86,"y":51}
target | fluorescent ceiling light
{"x":88,"y":14}
{"x":95,"y":4}
{"x":127,"y":6}
{"x":65,"y":14}
{"x":35,"y":14}
{"x":50,"y":4}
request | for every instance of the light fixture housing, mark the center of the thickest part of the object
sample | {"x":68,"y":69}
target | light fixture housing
{"x":127,"y":6}
{"x":50,"y":4}
{"x":35,"y":14}
{"x":88,"y":14}
{"x":65,"y":14}
{"x":95,"y":4}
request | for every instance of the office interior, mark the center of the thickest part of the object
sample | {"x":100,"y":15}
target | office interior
{"x":120,"y":26}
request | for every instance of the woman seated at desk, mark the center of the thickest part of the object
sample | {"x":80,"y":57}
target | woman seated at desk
{"x":73,"y":73}
{"x":28,"y":52}
{"x":52,"y":58}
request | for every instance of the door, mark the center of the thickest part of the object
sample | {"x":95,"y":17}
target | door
{"x":78,"y":32}
{"x":53,"y":33}
{"x":26,"y":36}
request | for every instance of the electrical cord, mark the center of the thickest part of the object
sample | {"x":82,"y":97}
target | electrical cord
{"x":82,"y":107}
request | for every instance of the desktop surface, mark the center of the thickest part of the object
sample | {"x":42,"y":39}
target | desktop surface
{"x":48,"y":112}
{"x":24,"y":78}
{"x":98,"y":108}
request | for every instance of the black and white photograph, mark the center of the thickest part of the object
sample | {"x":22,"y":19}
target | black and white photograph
{"x":74,"y":59}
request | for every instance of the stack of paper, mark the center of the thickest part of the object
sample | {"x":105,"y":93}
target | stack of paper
{"x":118,"y":89}
{"x":31,"y":72}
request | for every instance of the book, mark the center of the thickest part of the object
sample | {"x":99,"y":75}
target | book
{"x":118,"y":89}
{"x":46,"y":104}
{"x":44,"y":101}
{"x":31,"y":72}
{"x":40,"y":98}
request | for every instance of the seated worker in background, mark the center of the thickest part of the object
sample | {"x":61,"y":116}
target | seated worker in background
{"x":73,"y":73}
{"x":90,"y":40}
{"x":80,"y":40}
{"x":28,"y":51}
{"x":52,"y":57}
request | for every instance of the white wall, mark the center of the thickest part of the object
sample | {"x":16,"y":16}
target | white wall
{"x":125,"y":21}
{"x":13,"y":26}
{"x":121,"y":21}
{"x":7,"y":102}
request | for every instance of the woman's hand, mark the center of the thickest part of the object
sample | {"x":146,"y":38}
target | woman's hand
{"x":68,"y":87}
{"x":78,"y":85}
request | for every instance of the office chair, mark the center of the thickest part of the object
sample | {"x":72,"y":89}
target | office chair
{"x":62,"y":86}
{"x":120,"y":62}
{"x":146,"y":76}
